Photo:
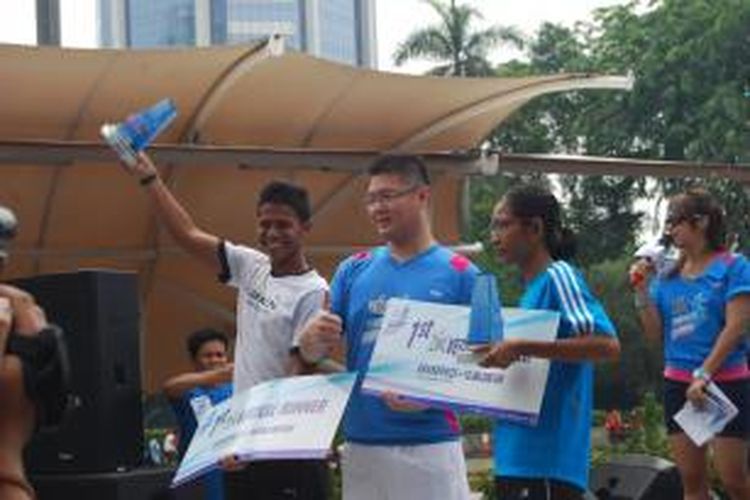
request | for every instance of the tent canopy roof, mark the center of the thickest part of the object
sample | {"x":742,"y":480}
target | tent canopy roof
{"x":256,"y":96}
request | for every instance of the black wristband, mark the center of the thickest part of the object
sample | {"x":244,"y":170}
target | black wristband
{"x":145,"y":181}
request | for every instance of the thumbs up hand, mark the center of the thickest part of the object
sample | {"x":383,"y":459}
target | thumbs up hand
{"x":321,"y":334}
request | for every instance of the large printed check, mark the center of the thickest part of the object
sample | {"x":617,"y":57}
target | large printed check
{"x":293,"y":417}
{"x":421,"y":354}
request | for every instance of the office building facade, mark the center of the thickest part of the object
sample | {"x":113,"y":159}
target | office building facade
{"x":339,"y":30}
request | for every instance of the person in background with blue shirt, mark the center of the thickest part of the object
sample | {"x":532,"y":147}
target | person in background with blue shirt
{"x":700,"y":309}
{"x":394,"y":450}
{"x":551,"y":460}
{"x":192,"y":394}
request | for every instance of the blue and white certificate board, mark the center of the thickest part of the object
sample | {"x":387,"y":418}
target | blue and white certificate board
{"x":421,"y":354}
{"x":294,"y":417}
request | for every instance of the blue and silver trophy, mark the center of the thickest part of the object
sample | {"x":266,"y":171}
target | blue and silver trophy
{"x":485,"y":320}
{"x":133,"y":135}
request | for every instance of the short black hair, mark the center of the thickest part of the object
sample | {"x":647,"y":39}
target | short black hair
{"x":411,"y":168}
{"x":286,"y":193}
{"x":196,"y":340}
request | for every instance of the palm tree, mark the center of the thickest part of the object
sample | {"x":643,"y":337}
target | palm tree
{"x":462,"y":50}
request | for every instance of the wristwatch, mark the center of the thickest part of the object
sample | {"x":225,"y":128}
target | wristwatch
{"x":700,"y":373}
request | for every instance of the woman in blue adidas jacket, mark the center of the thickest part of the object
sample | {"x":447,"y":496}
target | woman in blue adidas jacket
{"x":700,"y":309}
{"x":550,"y":460}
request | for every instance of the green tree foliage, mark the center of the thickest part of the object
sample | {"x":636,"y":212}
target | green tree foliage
{"x":691,"y":62}
{"x":691,"y":67}
{"x":454,"y":43}
{"x":645,"y":434}
{"x":571,"y":123}
{"x":622,"y":384}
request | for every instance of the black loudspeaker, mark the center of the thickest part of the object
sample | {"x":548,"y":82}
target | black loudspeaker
{"x":98,"y":310}
{"x":636,"y":477}
{"x":137,"y":484}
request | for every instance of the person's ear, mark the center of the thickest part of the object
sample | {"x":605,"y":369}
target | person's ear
{"x":536,"y":226}
{"x":702,"y":222}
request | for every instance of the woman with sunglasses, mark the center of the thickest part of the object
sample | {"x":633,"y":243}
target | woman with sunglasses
{"x":700,"y":309}
{"x":551,"y":460}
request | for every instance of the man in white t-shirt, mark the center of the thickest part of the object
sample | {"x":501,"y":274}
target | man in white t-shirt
{"x":278,"y":292}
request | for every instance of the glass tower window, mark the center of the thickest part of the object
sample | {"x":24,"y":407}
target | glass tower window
{"x":250,"y":20}
{"x":338,"y":30}
{"x":332,"y":29}
{"x":162,"y":23}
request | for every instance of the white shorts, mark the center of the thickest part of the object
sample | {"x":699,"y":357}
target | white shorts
{"x":416,"y":472}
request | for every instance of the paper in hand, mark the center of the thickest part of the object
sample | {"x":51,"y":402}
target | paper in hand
{"x":702,"y":424}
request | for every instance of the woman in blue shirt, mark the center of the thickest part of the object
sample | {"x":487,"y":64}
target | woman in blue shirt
{"x":549,"y":461}
{"x":700,"y":309}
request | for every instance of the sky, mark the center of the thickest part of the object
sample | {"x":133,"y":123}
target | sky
{"x":395,"y":20}
{"x":78,"y":20}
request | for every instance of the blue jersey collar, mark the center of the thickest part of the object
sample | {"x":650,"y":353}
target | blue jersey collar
{"x":716,"y":269}
{"x":400,"y":263}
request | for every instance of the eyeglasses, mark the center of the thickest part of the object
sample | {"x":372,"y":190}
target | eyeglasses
{"x":497,"y":226}
{"x":677,"y":219}
{"x":388,"y":197}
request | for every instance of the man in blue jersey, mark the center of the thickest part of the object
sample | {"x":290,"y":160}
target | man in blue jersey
{"x":192,"y":394}
{"x":394,"y":450}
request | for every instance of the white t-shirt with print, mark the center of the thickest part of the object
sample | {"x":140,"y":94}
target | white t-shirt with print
{"x":271,"y":312}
